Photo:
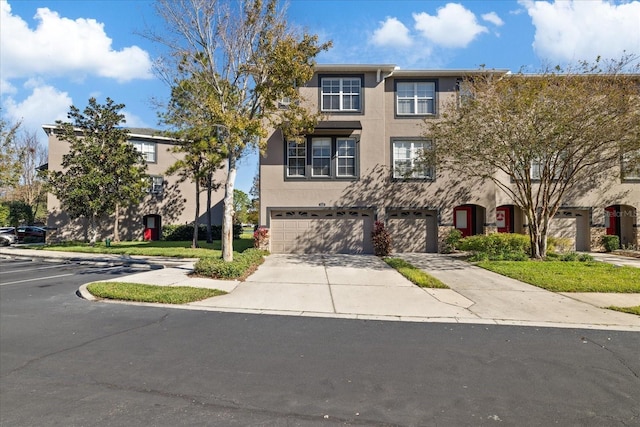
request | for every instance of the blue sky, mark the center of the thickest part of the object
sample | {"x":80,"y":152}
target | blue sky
{"x":54,"y":54}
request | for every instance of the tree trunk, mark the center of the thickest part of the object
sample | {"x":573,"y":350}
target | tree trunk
{"x":209,"y":191}
{"x":227,"y":220}
{"x":116,"y":224}
{"x":194,"y":241}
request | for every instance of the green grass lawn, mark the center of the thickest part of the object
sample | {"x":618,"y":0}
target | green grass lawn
{"x":567,"y":276}
{"x":151,"y":293}
{"x":180,"y":249}
{"x":631,"y":310}
{"x":415,"y":275}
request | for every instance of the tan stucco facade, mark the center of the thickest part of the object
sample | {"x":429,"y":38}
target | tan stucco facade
{"x":173,"y":204}
{"x":420,"y":210}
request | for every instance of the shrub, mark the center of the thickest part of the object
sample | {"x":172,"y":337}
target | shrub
{"x":452,"y":241}
{"x":497,"y":247}
{"x":575,"y":256}
{"x":381,"y":239}
{"x":260,"y":237}
{"x":559,"y":244}
{"x":242,"y":265}
{"x":610,"y":242}
{"x":182,"y":232}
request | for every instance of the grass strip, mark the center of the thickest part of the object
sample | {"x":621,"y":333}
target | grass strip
{"x":569,"y":276}
{"x":415,"y":275}
{"x":631,"y":310}
{"x":178,"y":249}
{"x":151,"y":293}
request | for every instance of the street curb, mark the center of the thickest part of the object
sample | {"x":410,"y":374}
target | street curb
{"x":84,"y":293}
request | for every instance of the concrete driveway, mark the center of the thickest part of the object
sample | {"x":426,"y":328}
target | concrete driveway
{"x":365,"y":287}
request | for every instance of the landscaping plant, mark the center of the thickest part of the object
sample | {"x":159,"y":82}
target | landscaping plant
{"x":381,"y":239}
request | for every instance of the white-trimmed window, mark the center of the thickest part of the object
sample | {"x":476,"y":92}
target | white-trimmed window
{"x":321,"y":157}
{"x":631,"y":166}
{"x":415,"y":98}
{"x":410,"y":160}
{"x":296,"y":158}
{"x":346,"y":156}
{"x":537,"y":170}
{"x":340,"y":93}
{"x":156,"y":184}
{"x":148,"y":149}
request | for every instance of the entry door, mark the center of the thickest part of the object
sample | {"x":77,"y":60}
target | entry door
{"x":504,"y":219}
{"x":611,"y":221}
{"x":463,"y":220}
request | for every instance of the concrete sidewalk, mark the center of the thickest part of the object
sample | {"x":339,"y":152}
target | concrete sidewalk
{"x":364,"y":287}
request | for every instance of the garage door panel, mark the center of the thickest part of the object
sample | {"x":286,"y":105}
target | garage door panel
{"x":324,"y":232}
{"x":408,"y":235}
{"x":413,"y":230}
{"x":344,"y":236}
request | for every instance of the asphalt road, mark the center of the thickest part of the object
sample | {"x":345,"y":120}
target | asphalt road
{"x":67,"y":361}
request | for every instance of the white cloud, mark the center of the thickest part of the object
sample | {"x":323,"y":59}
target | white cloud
{"x":6,"y":88}
{"x":493,"y":18}
{"x":61,"y":46}
{"x":582,"y":30}
{"x":133,"y":121}
{"x":392,"y":33}
{"x":454,"y":26}
{"x":44,"y":105}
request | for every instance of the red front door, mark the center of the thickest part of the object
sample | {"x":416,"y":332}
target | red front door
{"x":463,"y":220}
{"x":611,"y":220}
{"x":504,"y":220}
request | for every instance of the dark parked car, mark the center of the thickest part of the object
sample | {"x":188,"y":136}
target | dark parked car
{"x":30,"y":234}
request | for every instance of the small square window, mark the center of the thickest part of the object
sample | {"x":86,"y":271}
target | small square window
{"x":415,"y":98}
{"x":340,"y":93}
{"x":148,"y":150}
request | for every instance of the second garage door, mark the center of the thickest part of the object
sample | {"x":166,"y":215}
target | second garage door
{"x":321,"y":231}
{"x":413,"y":230}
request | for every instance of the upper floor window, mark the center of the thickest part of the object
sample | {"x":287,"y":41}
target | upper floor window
{"x":156,"y":184}
{"x":410,"y":159}
{"x":341,"y":93}
{"x":148,"y":150}
{"x":415,"y":98}
{"x":631,"y":165}
{"x":328,"y":157}
{"x":346,"y":156}
{"x":541,"y":169}
{"x":296,"y":158}
{"x":321,"y":157}
{"x":464,"y":91}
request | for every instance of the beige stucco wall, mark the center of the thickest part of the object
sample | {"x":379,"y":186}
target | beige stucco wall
{"x":375,"y":187}
{"x":175,"y":205}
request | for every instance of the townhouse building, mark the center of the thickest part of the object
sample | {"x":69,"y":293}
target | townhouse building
{"x":362,"y":164}
{"x":169,"y":201}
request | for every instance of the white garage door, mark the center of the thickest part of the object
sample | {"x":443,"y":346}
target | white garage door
{"x":321,"y":231}
{"x":413,"y":230}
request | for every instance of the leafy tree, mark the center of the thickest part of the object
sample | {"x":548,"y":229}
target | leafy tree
{"x":101,"y":170}
{"x":19,"y":213}
{"x":10,"y":155}
{"x":199,"y":143}
{"x":244,"y":59}
{"x":538,"y":136}
{"x":241,"y":205}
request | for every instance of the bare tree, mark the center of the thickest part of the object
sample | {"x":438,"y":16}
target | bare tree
{"x":538,"y":136}
{"x":31,"y":188}
{"x":244,"y":58}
